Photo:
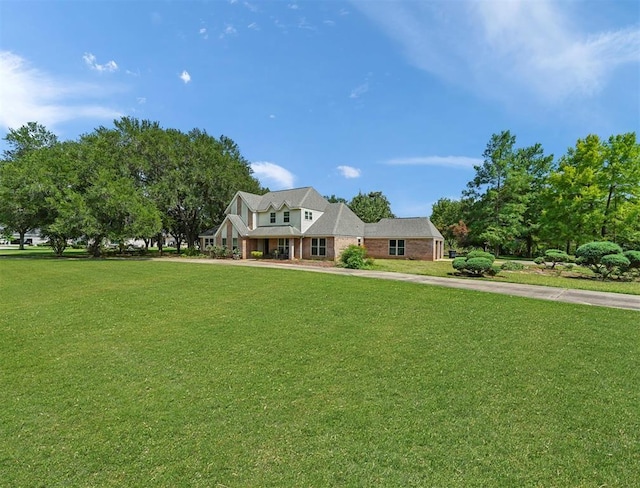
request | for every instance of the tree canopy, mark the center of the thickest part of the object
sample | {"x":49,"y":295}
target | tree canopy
{"x":133,"y":180}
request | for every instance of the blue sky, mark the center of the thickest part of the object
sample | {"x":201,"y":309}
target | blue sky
{"x":399,"y":97}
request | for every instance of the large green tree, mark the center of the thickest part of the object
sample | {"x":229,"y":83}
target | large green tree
{"x":446,"y":215}
{"x":594,"y":193}
{"x":501,"y":203}
{"x":21,"y":189}
{"x":371,"y":207}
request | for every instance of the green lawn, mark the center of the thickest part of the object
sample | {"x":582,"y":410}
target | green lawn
{"x":139,"y":373}
{"x":579,"y":278}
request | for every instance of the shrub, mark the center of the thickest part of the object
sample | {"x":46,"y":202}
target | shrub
{"x":459,"y":263}
{"x":355,"y":257}
{"x":614,"y":264}
{"x":494,"y":270}
{"x":512,"y":266}
{"x":556,"y":256}
{"x":592,"y":253}
{"x":634,"y":259}
{"x":192,"y":251}
{"x":481,"y":254}
{"x":256,"y":254}
{"x":539,"y":260}
{"x":476,"y":266}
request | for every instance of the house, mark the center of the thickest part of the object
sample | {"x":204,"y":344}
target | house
{"x":301,"y":224}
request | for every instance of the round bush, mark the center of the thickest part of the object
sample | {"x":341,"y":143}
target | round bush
{"x":354,"y":257}
{"x":634,"y":259}
{"x":592,"y":252}
{"x":478,"y":266}
{"x":481,"y":254}
{"x":459,"y":263}
{"x":539,"y":260}
{"x":613,"y":261}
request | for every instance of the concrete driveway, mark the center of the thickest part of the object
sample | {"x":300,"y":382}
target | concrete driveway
{"x":584,"y":297}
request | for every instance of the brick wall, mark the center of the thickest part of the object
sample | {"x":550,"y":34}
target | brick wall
{"x":413,"y":249}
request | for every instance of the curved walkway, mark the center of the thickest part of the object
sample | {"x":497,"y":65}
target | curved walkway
{"x":584,"y":297}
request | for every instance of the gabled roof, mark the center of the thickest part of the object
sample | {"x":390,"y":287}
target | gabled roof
{"x":417,"y":227}
{"x":251,"y":199}
{"x":337,"y":220}
{"x":305,"y":197}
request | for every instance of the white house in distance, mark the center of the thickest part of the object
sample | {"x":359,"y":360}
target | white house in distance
{"x":301,"y":224}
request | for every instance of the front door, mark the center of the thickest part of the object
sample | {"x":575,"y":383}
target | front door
{"x":265,"y":251}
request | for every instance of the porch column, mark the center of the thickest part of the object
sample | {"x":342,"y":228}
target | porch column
{"x":292,"y":249}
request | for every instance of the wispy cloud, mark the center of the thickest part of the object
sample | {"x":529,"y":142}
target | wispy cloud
{"x":293,"y":6}
{"x":253,"y":26}
{"x":450,"y":161}
{"x":349,"y":172}
{"x":229,"y":30}
{"x":272,"y":175}
{"x":359,"y":90}
{"x":252,"y":7}
{"x":203,"y":33}
{"x":141,"y":100}
{"x":185,"y":76}
{"x":28,"y":94}
{"x":507,"y":49}
{"x":92,"y":62}
{"x":303,"y":23}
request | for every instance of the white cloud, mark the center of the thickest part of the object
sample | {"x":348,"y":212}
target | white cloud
{"x":349,"y":171}
{"x":304,"y":24}
{"x":253,"y":26}
{"x":203,"y":33}
{"x":185,"y":76}
{"x":330,"y":23}
{"x":92,"y":62}
{"x":293,"y":6}
{"x":508,"y":50}
{"x":28,"y":94}
{"x":272,"y":116}
{"x":360,"y":90}
{"x":141,"y":100}
{"x":272,"y":175}
{"x":450,"y":161}
{"x":229,"y":30}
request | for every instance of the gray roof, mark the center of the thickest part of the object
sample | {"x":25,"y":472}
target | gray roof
{"x":240,"y":226}
{"x":251,"y":199}
{"x":305,"y":197}
{"x":210,"y":232}
{"x":416,"y":227}
{"x":337,"y":220}
{"x":275,"y":231}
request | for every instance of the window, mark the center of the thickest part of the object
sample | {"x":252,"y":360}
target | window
{"x":308,"y":215}
{"x":396,"y":247}
{"x":234,"y":243}
{"x":286,"y":217}
{"x":359,"y":241}
{"x":224,"y":242}
{"x":283,"y":247}
{"x":318,"y":246}
{"x":272,"y":217}
{"x":208,"y":241}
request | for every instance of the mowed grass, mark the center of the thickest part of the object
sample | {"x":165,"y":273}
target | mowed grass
{"x":578,"y":278}
{"x":139,"y":373}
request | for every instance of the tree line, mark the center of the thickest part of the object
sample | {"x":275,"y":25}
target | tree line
{"x":521,"y":200}
{"x":133,"y":180}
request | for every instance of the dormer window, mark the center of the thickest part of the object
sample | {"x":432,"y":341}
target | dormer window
{"x":286,"y":217}
{"x":308,"y":215}
{"x":272,"y":217}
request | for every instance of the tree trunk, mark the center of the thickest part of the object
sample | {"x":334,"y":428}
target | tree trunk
{"x":22,"y":233}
